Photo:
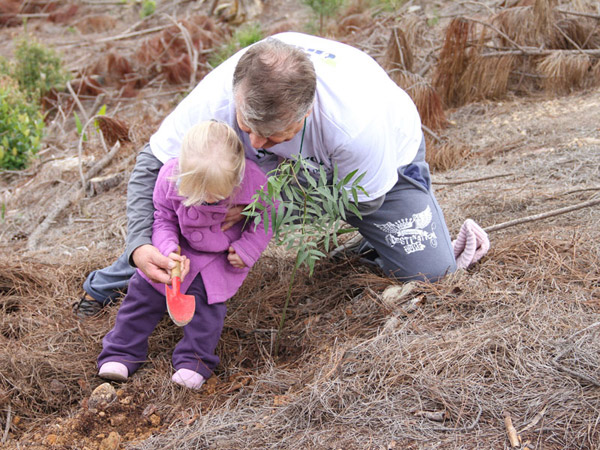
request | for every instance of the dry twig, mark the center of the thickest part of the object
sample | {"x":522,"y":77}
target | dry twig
{"x":541,"y":216}
{"x":472,"y":180}
{"x":513,"y":437}
{"x":8,"y":422}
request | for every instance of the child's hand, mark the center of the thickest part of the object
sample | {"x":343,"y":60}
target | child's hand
{"x":184,"y":263}
{"x":233,"y":216}
{"x":234,"y":259}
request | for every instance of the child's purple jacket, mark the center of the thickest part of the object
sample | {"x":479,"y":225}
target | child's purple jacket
{"x":197,"y":229}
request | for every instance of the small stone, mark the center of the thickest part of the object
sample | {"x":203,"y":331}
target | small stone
{"x":397,"y":294}
{"x":118,"y":419}
{"x":154,"y":420}
{"x":102,"y":396}
{"x":51,"y":439}
{"x":112,"y":442}
{"x":57,"y":387}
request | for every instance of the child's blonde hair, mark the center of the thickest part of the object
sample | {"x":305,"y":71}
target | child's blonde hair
{"x":211,"y":162}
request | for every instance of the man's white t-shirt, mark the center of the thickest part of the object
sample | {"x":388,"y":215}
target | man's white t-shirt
{"x":360,"y":120}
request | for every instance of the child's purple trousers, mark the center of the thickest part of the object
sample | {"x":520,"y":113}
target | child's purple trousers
{"x":142,"y":308}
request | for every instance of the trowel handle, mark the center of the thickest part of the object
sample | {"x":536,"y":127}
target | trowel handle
{"x":176,"y":271}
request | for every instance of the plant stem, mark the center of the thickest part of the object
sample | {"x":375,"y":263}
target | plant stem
{"x":285,"y":306}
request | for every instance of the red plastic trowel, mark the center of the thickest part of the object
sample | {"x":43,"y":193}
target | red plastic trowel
{"x":181,"y":307}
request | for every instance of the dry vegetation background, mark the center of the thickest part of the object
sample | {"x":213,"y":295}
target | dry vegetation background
{"x":509,"y":96}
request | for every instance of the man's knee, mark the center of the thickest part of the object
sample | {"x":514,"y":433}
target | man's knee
{"x":431,"y":269}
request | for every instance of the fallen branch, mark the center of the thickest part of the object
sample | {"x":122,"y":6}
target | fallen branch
{"x":432,"y":134}
{"x":472,"y":180}
{"x":575,"y":191}
{"x":529,"y":51}
{"x":581,"y":14}
{"x":76,"y":99}
{"x":534,"y":51}
{"x":504,"y":35}
{"x":545,"y":215}
{"x":79,"y":188}
{"x":113,"y":38}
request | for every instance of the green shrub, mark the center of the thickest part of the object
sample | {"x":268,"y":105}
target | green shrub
{"x":21,"y":126}
{"x":324,"y":8}
{"x":309,"y":216}
{"x":243,"y":37}
{"x":148,"y":8}
{"x":37,"y":69}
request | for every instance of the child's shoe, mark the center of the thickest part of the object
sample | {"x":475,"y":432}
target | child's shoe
{"x":114,"y":371}
{"x":188,"y":378}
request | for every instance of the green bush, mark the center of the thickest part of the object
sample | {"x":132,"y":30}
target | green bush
{"x":309,"y":216}
{"x":37,"y":69}
{"x":148,"y":8}
{"x":324,"y":8}
{"x":243,"y":37}
{"x":21,"y":126}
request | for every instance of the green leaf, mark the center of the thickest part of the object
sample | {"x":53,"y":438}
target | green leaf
{"x":352,"y":207}
{"x":79,"y":126}
{"x":348,"y":177}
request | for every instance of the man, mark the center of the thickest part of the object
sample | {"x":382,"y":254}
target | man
{"x":332,"y":104}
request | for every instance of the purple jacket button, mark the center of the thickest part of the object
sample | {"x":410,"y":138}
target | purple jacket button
{"x":196,"y":236}
{"x":192,"y":213}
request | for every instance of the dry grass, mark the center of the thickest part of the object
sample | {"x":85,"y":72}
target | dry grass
{"x":497,"y":58}
{"x":168,"y":53}
{"x":113,"y":130}
{"x":517,"y":335}
{"x":564,"y":73}
{"x":445,"y":156}
{"x":398,"y":55}
{"x":453,"y":61}
{"x":426,"y":98}
{"x":486,"y":77}
{"x":520,"y":25}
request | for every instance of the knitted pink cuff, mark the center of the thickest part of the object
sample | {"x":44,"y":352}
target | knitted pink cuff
{"x":471,"y":244}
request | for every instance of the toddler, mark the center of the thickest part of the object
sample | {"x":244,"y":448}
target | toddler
{"x":191,"y":199}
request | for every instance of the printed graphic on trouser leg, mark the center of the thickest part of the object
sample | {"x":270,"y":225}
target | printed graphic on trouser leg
{"x":412,"y":232}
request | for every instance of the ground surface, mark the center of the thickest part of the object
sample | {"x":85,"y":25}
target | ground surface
{"x":435,"y":367}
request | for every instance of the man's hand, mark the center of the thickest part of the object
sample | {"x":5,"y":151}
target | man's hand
{"x":233,"y":216}
{"x":234,"y":259}
{"x":151,"y":261}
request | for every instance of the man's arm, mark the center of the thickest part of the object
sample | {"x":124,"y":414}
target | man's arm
{"x":140,"y":209}
{"x":140,"y":217}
